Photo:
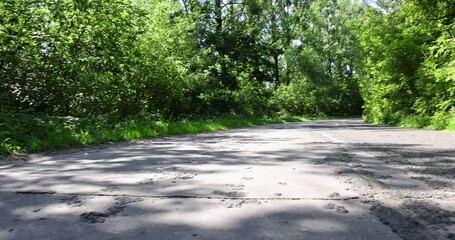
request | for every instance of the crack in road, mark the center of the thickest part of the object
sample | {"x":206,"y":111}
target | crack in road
{"x":182,"y":196}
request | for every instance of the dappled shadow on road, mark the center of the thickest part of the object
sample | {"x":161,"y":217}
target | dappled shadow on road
{"x":50,"y":217}
{"x":420,"y":179}
{"x":192,"y":165}
{"x":232,"y":184}
{"x":158,"y":169}
{"x":435,"y":167}
{"x":355,"y":124}
{"x":256,"y":183}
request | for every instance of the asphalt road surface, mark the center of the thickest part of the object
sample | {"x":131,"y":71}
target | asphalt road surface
{"x":332,"y":179}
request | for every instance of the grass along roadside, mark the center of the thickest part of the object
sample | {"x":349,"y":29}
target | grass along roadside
{"x":32,"y":133}
{"x":440,"y":121}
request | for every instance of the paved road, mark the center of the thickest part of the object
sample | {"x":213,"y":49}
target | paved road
{"x":334,"y":179}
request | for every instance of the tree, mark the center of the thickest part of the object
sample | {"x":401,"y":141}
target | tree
{"x":408,"y":57}
{"x":322,"y":58}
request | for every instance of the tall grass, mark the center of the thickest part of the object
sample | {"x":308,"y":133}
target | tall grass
{"x":22,"y":132}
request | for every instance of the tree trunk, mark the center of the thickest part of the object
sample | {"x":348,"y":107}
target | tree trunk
{"x":276,"y":69}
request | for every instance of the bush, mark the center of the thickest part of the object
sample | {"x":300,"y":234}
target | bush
{"x":9,"y":146}
{"x":414,"y":121}
{"x":297,"y":98}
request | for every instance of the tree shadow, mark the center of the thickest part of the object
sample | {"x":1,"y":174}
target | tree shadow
{"x":210,"y":173}
{"x":54,"y":217}
{"x":421,"y":179}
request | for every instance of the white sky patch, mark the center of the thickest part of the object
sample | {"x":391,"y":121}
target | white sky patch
{"x":296,"y":43}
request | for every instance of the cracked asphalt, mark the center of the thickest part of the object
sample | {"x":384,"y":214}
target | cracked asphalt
{"x":330,"y":179}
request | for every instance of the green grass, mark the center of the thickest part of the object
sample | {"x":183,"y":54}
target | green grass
{"x":439,"y":121}
{"x":22,"y":132}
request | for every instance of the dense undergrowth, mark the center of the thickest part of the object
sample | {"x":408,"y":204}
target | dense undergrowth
{"x":25,"y":132}
{"x":440,"y":121}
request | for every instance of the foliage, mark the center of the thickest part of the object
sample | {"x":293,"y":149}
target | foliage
{"x":170,"y":59}
{"x":409,"y":70}
{"x":64,"y":64}
{"x":31,"y":132}
{"x":322,"y":62}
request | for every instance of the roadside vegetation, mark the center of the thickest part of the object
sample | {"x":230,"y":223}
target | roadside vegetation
{"x":408,"y":74}
{"x":32,"y":132}
{"x":440,"y":121}
{"x":82,"y":72}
